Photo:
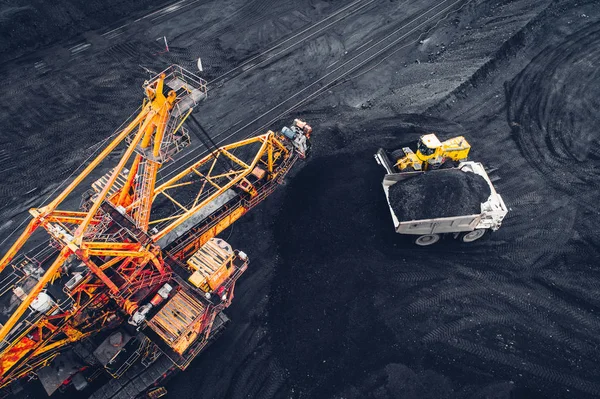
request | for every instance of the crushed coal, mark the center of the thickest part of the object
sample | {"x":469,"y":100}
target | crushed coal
{"x":443,"y":193}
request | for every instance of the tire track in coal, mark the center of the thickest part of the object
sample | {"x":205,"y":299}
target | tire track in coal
{"x":557,"y":305}
{"x":259,"y":375}
{"x":275,"y":380}
{"x":584,"y":290}
{"x":254,"y":12}
{"x":447,"y":331}
{"x":524,"y":365}
{"x":533,"y":319}
{"x":540,"y":325}
{"x":69,"y":112}
{"x":35,"y":145}
{"x":537,"y":225}
{"x":247,"y":11}
{"x":253,"y":372}
{"x":530,"y":307}
{"x":415,"y":277}
{"x":498,"y":276}
{"x":556,"y":129}
{"x":497,"y":287}
{"x":275,"y":51}
{"x":454,"y":291}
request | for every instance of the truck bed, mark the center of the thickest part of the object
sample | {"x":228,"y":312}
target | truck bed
{"x":490,"y":217}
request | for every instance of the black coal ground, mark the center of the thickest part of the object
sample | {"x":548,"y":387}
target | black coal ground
{"x":32,"y":24}
{"x":443,"y":193}
{"x":335,"y":304}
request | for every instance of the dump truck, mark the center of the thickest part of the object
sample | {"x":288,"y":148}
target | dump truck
{"x":466,"y":228}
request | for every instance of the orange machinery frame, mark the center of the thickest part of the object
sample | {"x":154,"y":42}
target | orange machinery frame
{"x":80,"y":235}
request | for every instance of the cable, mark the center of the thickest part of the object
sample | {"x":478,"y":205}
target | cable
{"x":98,"y":144}
{"x":280,"y":44}
{"x":292,"y":37}
{"x":329,"y":85}
{"x":210,"y":144}
{"x":14,"y":230}
{"x":230,"y":232}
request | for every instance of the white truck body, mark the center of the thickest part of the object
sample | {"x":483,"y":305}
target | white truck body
{"x":492,"y":213}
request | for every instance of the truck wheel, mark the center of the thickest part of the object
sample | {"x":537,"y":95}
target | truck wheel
{"x":472,"y":235}
{"x":427,"y":239}
{"x":449,"y":164}
{"x":397,"y":154}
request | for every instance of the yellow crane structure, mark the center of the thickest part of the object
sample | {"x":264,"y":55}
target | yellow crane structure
{"x":130,"y":240}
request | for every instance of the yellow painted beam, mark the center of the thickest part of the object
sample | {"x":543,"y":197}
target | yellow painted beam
{"x":235,"y":159}
{"x":50,"y":273}
{"x":173,"y":200}
{"x":97,"y":160}
{"x":260,"y":153}
{"x":98,"y":272}
{"x":10,"y":254}
{"x":94,"y":208}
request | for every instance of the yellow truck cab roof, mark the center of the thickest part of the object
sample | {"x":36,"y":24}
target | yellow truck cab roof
{"x":431,"y":141}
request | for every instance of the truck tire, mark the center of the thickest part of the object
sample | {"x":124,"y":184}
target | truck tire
{"x":448,"y":164}
{"x":397,"y":154}
{"x":472,"y":235}
{"x":427,"y":239}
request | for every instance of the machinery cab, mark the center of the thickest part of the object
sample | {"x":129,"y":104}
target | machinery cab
{"x":213,"y":265}
{"x":429,"y":147}
{"x":299,"y":134}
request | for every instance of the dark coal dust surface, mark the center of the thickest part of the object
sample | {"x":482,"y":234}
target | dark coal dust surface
{"x":439,"y":194}
{"x":335,"y":304}
{"x":330,"y":326}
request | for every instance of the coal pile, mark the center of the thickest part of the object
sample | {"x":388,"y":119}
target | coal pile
{"x":439,"y":194}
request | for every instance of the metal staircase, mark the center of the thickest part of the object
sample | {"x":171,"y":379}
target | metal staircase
{"x":145,"y":193}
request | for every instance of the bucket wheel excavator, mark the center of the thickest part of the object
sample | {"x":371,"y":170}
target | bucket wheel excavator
{"x":135,"y":280}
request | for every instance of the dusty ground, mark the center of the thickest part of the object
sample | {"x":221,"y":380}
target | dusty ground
{"x":335,"y":304}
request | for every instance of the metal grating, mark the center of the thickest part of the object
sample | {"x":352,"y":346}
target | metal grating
{"x":176,"y":317}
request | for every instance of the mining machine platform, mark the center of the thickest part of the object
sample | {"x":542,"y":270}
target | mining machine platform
{"x":113,"y":297}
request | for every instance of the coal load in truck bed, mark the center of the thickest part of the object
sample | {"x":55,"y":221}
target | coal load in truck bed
{"x":438,"y":194}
